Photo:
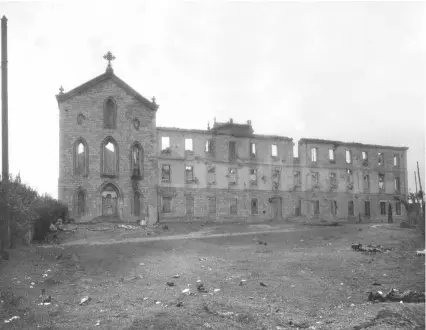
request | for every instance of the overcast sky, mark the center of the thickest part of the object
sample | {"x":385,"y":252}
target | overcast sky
{"x":350,"y":71}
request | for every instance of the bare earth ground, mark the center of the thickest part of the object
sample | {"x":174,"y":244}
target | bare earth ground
{"x":313,"y":279}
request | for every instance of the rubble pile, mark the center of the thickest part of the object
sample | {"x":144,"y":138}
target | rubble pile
{"x":370,"y":248}
{"x":394,"y":295}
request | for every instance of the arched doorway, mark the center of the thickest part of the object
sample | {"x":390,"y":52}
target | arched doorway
{"x":109,"y":196}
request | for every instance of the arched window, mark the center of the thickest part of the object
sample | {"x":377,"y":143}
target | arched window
{"x":136,"y":203}
{"x":109,"y":158}
{"x":136,"y":161}
{"x":80,"y":203}
{"x":81,"y":158}
{"x":110,"y":114}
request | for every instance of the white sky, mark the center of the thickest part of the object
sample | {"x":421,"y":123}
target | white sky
{"x":351,"y":71}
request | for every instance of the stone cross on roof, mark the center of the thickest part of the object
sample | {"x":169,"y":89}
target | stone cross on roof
{"x":109,"y":57}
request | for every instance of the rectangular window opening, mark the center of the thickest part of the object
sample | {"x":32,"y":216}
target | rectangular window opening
{"x":232,"y":176}
{"x":165,"y":143}
{"x":396,"y":160}
{"x":316,"y":207}
{"x":167,"y":204}
{"x":274,"y":150}
{"x":397,"y":183}
{"x":188,"y":145}
{"x":252,"y":149}
{"x":314,"y":155}
{"x":331,"y":154}
{"x":212,"y":205}
{"x":381,"y":182}
{"x":364,"y":155}
{"x":333,"y":207}
{"x":297,"y":178}
{"x":398,"y":208}
{"x":348,"y":156}
{"x":189,"y":173}
{"x":366,"y":208}
{"x":253,"y":176}
{"x":351,"y":208}
{"x":382,"y":208}
{"x":232,"y":150}
{"x":254,"y":206}
{"x":380,"y":158}
{"x":233,"y":206}
{"x":165,"y":173}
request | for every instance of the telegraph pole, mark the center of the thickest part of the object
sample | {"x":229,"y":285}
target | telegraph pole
{"x":5,"y":134}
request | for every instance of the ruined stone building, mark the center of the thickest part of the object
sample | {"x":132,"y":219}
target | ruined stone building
{"x":115,"y":162}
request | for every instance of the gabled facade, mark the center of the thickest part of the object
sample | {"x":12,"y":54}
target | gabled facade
{"x":115,"y":162}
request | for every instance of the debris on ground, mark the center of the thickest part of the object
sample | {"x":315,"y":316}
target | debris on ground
{"x":185,"y":291}
{"x":259,"y":241}
{"x":202,"y":259}
{"x":201,"y":288}
{"x":126,"y":226}
{"x":299,"y":325}
{"x":263,"y":284}
{"x":170,"y":283}
{"x":52,"y":228}
{"x":165,"y":227}
{"x":376,"y":283}
{"x":207,"y":325}
{"x":394,"y":295}
{"x":85,"y":300}
{"x":11,"y":319}
{"x":371,"y":248}
{"x":242,"y":282}
{"x":216,"y":290}
{"x":179,"y":304}
{"x":419,"y":253}
{"x":176,"y":276}
{"x":98,"y":322}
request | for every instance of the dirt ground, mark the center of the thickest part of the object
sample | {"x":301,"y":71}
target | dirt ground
{"x":311,"y":279}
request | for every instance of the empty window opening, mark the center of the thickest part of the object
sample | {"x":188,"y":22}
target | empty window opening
{"x":233,"y":206}
{"x":110,"y":147}
{"x":397,"y":183}
{"x":211,"y":174}
{"x":189,"y":205}
{"x":137,"y":160}
{"x":380,"y":158}
{"x":188,"y":145}
{"x":349,"y":175}
{"x":315,"y":179}
{"x":381,"y":181}
{"x":333,"y":207}
{"x":189,"y":173}
{"x":167,"y":204}
{"x":81,"y":203}
{"x":165,"y":143}
{"x":396,"y":160}
{"x":333,"y":180}
{"x":110,"y":159}
{"x":209,"y":146}
{"x":212,"y":205}
{"x":254,"y":206}
{"x":366,"y":182}
{"x":297,"y":178}
{"x":314,"y":154}
{"x":136,"y":204}
{"x":382,"y":208}
{"x":274,"y":150}
{"x":110,"y":114}
{"x":80,"y":159}
{"x":165,"y":173}
{"x":295,"y":149}
{"x":253,"y":176}
{"x":252,"y":149}
{"x":348,"y":156}
{"x":331,"y":154}
{"x":398,"y":208}
{"x":316,"y":207}
{"x":351,"y":208}
{"x":364,"y":155}
{"x":233,"y":176}
{"x":232,"y":150}
{"x":80,"y":148}
{"x":366,"y":208}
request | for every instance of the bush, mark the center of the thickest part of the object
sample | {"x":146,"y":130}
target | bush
{"x":27,"y":208}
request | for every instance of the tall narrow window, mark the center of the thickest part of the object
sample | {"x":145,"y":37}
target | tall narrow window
{"x":348,"y":156}
{"x":382,"y":208}
{"x":165,"y":144}
{"x":398,"y":208}
{"x":110,"y":114}
{"x":165,"y":173}
{"x":209,"y":146}
{"x":253,"y":176}
{"x":189,"y":205}
{"x":396,"y":160}
{"x":211,"y":174}
{"x":314,"y":155}
{"x":188,"y":145}
{"x":189,"y":174}
{"x":333,"y":181}
{"x":212,"y":205}
{"x":351,"y":208}
{"x":166,"y":204}
{"x":381,"y":182}
{"x":366,"y":182}
{"x":252,"y":149}
{"x":297,"y":179}
{"x":331,"y":154}
{"x":397,"y":184}
{"x":364,"y":155}
{"x":315,"y":179}
{"x":380,"y":159}
{"x":333,"y":207}
{"x":274,"y":150}
{"x":233,"y":206}
{"x":136,"y":204}
{"x":316,"y":207}
{"x":367,"y":208}
{"x":232,"y":176}
{"x":81,"y":155}
{"x":136,"y":161}
{"x":254,"y":206}
{"x":109,"y":157}
{"x":81,"y":203}
{"x":232,"y":150}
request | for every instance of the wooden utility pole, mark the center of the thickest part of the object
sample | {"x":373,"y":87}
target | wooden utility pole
{"x":415,"y":181}
{"x":420,"y":180}
{"x":5,"y":234}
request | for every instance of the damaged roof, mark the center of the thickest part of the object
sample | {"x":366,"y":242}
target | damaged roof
{"x":353,"y":144}
{"x":109,"y":74}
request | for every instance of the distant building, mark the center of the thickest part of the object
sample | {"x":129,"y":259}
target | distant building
{"x":115,"y":162}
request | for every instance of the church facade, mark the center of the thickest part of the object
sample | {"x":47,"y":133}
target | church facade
{"x":116,"y":163}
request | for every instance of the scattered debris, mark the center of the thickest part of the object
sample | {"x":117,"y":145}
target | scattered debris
{"x":201,"y":288}
{"x":126,"y":226}
{"x":419,"y":253}
{"x":11,"y":319}
{"x":207,"y":325}
{"x":216,"y":290}
{"x":165,"y":227}
{"x":394,"y":295}
{"x":202,"y":259}
{"x":98,"y":322}
{"x":85,"y":300}
{"x":258,"y":241}
{"x":176,"y":276}
{"x":376,"y":283}
{"x":185,"y":291}
{"x":170,"y":283}
{"x":242,"y":282}
{"x":179,"y":304}
{"x":301,"y":325}
{"x":263,"y":284}
{"x":158,"y":302}
{"x":371,"y":248}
